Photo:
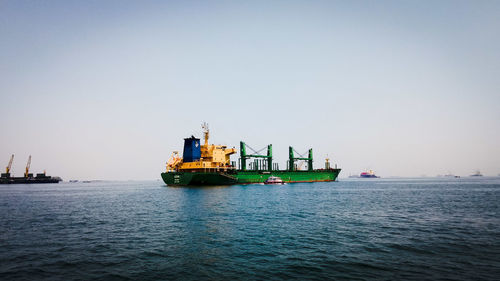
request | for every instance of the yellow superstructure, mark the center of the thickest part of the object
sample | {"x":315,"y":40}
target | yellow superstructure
{"x":212,"y":157}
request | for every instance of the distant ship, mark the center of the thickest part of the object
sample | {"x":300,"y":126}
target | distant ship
{"x":368,"y":174}
{"x":477,"y":174}
{"x":5,"y":178}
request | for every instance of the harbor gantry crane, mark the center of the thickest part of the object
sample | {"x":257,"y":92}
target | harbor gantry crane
{"x":9,"y":166}
{"x":26,"y":174}
{"x":7,"y":169}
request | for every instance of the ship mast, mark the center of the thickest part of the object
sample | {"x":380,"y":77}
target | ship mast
{"x":205,"y":132}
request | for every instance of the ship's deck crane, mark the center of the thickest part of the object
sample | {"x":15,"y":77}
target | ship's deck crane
{"x":27,"y":167}
{"x":258,"y":165}
{"x":174,"y":161}
{"x":292,"y":159}
{"x":7,"y":169}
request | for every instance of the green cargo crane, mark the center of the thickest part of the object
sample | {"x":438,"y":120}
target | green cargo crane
{"x":245,"y":156}
{"x":292,"y":159}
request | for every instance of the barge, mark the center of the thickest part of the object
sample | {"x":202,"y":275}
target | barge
{"x":6,"y":178}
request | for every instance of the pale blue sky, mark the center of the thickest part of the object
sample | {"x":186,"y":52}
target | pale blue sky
{"x":107,"y":89}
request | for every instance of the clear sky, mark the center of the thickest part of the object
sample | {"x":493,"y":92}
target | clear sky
{"x":107,"y":89}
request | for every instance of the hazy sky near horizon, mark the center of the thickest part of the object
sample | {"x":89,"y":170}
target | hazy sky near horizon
{"x":108,"y":89}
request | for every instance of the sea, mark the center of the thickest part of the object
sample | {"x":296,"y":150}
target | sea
{"x":351,"y":229}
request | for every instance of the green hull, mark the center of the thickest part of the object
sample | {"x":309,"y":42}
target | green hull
{"x":246,"y":177}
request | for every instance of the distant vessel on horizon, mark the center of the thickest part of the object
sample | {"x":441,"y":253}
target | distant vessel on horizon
{"x":368,"y":174}
{"x":477,"y":174}
{"x":7,"y":178}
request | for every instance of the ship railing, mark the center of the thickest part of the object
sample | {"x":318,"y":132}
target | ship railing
{"x":219,"y":169}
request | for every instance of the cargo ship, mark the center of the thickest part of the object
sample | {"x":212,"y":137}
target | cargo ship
{"x":209,"y":164}
{"x":368,"y":174}
{"x":28,"y":178}
{"x":477,"y":174}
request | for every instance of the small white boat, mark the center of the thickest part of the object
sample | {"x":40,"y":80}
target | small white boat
{"x":274,"y":180}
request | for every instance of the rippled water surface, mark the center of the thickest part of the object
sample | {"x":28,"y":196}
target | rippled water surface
{"x":352,"y":229}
